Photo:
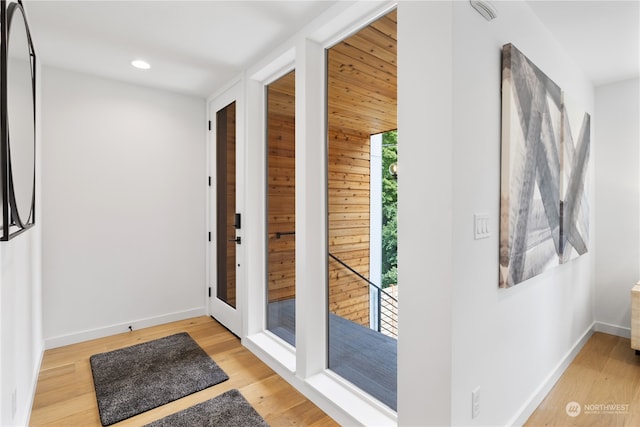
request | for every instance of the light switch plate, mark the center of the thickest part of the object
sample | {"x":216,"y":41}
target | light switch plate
{"x":481,"y":226}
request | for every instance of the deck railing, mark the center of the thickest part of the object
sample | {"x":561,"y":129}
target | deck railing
{"x":387,"y":304}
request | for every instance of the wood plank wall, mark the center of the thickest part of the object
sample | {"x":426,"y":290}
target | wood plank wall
{"x":362,"y":101}
{"x":281,"y":187}
{"x":349,"y":189}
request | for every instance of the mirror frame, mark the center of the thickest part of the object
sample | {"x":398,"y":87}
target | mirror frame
{"x":12,"y":223}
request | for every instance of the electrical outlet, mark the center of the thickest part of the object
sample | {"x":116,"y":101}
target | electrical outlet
{"x":14,"y":403}
{"x":475,"y":402}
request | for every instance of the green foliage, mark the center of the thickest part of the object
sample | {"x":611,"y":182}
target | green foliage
{"x":389,"y":211}
{"x":390,"y":276}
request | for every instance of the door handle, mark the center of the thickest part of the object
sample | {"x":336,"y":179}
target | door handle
{"x":238,"y":240}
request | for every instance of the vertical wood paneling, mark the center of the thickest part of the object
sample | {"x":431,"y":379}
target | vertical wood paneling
{"x":281,"y":188}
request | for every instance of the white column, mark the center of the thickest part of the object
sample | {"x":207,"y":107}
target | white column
{"x":425,"y":211}
{"x":253,"y":220}
{"x":375,"y":227}
{"x":311,"y":210}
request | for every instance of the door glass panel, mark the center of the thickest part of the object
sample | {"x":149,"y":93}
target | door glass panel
{"x":281,"y":214}
{"x":226,"y":204}
{"x":362,"y":102}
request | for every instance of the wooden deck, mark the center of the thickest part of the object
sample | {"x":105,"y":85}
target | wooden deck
{"x":65,"y":395}
{"x":360,"y":355}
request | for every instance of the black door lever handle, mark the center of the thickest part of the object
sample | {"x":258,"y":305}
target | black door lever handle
{"x":238,"y":240}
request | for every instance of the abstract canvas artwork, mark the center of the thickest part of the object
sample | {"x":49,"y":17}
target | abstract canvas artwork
{"x":576,"y":131}
{"x":545,"y":149}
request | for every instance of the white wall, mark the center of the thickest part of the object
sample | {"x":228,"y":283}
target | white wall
{"x":617,"y":189}
{"x":21,"y":324}
{"x":123,"y":225}
{"x":425,"y":212}
{"x":459,"y":331}
{"x":506,"y":341}
{"x":21,"y":343}
{"x":123,"y":203}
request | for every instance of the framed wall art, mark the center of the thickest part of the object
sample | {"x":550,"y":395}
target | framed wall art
{"x":544,"y":212}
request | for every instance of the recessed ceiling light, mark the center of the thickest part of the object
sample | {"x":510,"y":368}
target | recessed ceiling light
{"x":139,"y":63}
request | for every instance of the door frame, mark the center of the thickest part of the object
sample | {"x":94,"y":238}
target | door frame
{"x":231,"y":318}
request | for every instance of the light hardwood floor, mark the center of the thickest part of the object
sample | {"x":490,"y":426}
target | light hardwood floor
{"x":65,"y":394}
{"x":605,"y":372}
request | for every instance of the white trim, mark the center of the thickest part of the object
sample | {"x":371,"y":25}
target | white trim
{"x":311,"y":210}
{"x":254,"y":316}
{"x":610,"y":329}
{"x":342,"y":401}
{"x":256,"y":178}
{"x":349,"y":22}
{"x":226,"y":88}
{"x":547,"y":384}
{"x":272,"y":347}
{"x":363,"y":408}
{"x":230,"y":317}
{"x":276,"y":68}
{"x":375,"y":226}
{"x":91,"y":334}
{"x":34,"y":382}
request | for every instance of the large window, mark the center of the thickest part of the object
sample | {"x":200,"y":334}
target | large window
{"x":361,"y":102}
{"x":281,"y":224}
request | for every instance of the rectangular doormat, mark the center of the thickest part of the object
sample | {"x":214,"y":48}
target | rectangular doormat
{"x":230,"y":409}
{"x":135,"y":379}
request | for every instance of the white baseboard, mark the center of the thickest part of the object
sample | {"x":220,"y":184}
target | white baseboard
{"x":34,"y":383}
{"x":545,"y":387}
{"x":610,"y":329}
{"x":106,"y":331}
{"x":343,"y":402}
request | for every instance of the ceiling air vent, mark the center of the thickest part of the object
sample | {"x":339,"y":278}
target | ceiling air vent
{"x":485,"y":9}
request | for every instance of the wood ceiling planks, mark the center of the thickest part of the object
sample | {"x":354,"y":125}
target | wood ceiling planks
{"x":362,"y":79}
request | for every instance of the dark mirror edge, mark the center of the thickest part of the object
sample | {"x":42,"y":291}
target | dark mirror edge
{"x":5,"y":180}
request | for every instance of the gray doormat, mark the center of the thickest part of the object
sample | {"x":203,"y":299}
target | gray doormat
{"x":134,"y":379}
{"x":230,"y":409}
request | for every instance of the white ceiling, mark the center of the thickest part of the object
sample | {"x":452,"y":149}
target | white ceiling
{"x":603,"y":37}
{"x":195,"y":47}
